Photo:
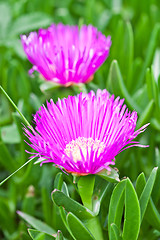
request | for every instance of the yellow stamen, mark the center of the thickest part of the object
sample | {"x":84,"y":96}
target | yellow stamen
{"x":85,"y":144}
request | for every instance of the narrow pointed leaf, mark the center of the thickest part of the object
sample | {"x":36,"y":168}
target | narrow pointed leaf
{"x":2,"y":182}
{"x":78,"y":229}
{"x":132,"y":213}
{"x":152,"y":215}
{"x":116,"y":81}
{"x":59,"y":235}
{"x":116,"y":205}
{"x":64,"y":219}
{"x":114,"y":234}
{"x":37,"y":224}
{"x":14,"y":105}
{"x":35,"y":234}
{"x":71,"y":205}
{"x":140,"y":184}
{"x":58,"y":181}
{"x":145,"y":196}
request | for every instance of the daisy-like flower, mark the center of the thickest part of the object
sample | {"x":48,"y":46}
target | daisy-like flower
{"x":82,"y":134}
{"x":65,"y":54}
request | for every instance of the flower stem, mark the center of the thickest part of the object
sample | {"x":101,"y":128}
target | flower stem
{"x":16,"y":171}
{"x":14,"y":105}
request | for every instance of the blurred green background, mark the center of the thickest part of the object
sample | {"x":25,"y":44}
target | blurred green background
{"x":132,"y":71}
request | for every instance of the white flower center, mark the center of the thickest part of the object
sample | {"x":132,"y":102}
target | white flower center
{"x":85,"y":144}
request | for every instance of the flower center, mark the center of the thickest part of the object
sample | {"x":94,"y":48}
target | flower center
{"x":82,"y":144}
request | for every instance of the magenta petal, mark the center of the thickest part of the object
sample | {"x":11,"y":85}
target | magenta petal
{"x":82,"y":134}
{"x":66,"y":55}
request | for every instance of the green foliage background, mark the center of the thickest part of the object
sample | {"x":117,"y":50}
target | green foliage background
{"x":132,"y":71}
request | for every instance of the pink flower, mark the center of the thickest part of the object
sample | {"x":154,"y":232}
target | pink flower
{"x":65,"y":54}
{"x":82,"y":134}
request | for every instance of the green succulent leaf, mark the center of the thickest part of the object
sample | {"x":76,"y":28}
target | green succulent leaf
{"x":58,"y":182}
{"x":110,"y":176}
{"x":140,"y":184}
{"x":131,"y":226}
{"x":59,"y":235}
{"x":114,"y":232}
{"x":38,"y":235}
{"x":37,"y":224}
{"x":78,"y":229}
{"x":118,"y":87}
{"x":145,"y":196}
{"x":71,"y":205}
{"x":116,"y":205}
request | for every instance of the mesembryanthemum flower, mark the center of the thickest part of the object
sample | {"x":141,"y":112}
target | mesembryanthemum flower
{"x":82,"y":134}
{"x":65,"y":54}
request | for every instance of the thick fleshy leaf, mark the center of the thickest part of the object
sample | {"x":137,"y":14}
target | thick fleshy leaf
{"x":58,"y":181}
{"x":116,"y":205}
{"x":85,"y":187}
{"x":118,"y":87}
{"x":102,"y":189}
{"x":65,"y":189}
{"x":64,"y":219}
{"x":151,"y":215}
{"x":59,"y":235}
{"x":114,"y":232}
{"x":38,"y":235}
{"x":145,"y":196}
{"x":140,"y":184}
{"x":110,"y":176}
{"x":131,"y":225}
{"x":78,"y":229}
{"x":71,"y":205}
{"x":37,"y":224}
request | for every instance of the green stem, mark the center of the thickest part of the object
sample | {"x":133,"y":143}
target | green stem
{"x":85,"y":188}
{"x":16,"y":171}
{"x":94,"y":227}
{"x":14,"y":105}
